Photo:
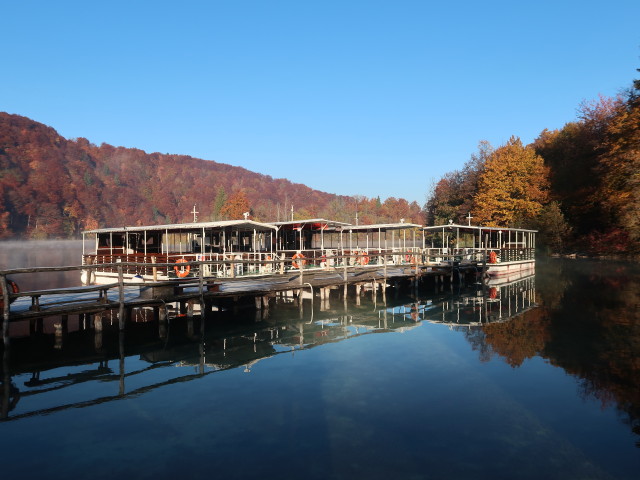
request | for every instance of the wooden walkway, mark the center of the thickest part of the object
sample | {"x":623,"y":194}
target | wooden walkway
{"x":204,"y":292}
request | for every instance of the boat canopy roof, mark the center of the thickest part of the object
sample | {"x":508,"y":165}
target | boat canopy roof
{"x":245,"y":225}
{"x":474,"y":228}
{"x":380,"y":227}
{"x":312,"y":223}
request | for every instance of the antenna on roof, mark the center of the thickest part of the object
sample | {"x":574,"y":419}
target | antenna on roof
{"x":246,"y":215}
{"x":195,"y":214}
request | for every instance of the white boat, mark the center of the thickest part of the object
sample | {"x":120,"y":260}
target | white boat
{"x":161,"y":251}
{"x":497,"y":251}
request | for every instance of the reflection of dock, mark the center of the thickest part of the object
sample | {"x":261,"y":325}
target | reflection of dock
{"x":492,"y":303}
{"x":32,"y":365}
{"x":204,"y":293}
{"x":92,"y":356}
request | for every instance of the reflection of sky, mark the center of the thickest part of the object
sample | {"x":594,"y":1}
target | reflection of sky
{"x":419,"y":403}
{"x":403,"y":403}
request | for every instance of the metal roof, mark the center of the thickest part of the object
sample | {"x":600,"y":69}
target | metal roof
{"x":468,"y":228}
{"x":324,"y":221}
{"x":235,"y":224}
{"x":381,"y":226}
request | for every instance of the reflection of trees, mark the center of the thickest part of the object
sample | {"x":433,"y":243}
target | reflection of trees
{"x":521,"y":338}
{"x":588,"y":324}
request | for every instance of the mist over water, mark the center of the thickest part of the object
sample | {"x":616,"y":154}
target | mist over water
{"x":42,"y":253}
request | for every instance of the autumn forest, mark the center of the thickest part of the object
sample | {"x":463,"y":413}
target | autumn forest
{"x":578,"y":185}
{"x":51,"y":187}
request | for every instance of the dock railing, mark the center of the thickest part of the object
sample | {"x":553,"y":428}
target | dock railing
{"x":202,"y":274}
{"x":237,"y":264}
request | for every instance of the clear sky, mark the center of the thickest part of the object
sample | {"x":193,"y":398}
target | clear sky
{"x":374,"y":98}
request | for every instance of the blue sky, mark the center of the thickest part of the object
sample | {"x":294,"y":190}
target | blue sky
{"x":374,"y":98}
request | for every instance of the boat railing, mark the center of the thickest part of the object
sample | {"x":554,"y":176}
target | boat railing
{"x":478,"y":255}
{"x":236,"y":264}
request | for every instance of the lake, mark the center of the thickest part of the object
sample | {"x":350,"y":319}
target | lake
{"x":538,"y":378}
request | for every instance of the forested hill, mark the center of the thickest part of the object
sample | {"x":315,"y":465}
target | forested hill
{"x":52,"y":187}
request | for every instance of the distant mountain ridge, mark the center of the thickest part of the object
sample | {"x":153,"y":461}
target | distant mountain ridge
{"x":52,"y":187}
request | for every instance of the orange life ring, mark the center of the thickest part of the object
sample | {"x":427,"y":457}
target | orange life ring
{"x":295,"y":264}
{"x":493,"y":292}
{"x":182,"y":271}
{"x":266,"y":266}
{"x":364,"y":258}
{"x":12,"y":287}
{"x":493,"y":257}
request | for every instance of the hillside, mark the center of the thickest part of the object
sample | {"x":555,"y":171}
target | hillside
{"x":52,"y":187}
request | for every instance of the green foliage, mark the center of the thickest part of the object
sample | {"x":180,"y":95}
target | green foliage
{"x":218,"y":204}
{"x":553,"y":227}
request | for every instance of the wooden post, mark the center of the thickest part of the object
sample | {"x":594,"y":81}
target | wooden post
{"x":121,"y":297}
{"x":6,"y":382}
{"x":154,"y":269}
{"x":121,"y":363}
{"x":486,"y":256}
{"x":344,"y":262}
{"x":300,"y":304}
{"x":162,"y":321}
{"x":201,"y":279}
{"x":301,"y":272}
{"x":97,"y":326}
{"x":60,"y":332}
{"x":384,"y":292}
{"x":384,"y":259}
{"x":5,"y":310}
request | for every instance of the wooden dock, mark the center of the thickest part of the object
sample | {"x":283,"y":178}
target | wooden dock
{"x":210,"y":293}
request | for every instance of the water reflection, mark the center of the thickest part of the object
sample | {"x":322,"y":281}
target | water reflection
{"x":580,"y":316}
{"x":60,"y":354}
{"x":590,"y":326}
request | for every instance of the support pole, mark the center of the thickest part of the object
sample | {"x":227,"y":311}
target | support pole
{"x":121,"y":297}
{"x":6,"y":312}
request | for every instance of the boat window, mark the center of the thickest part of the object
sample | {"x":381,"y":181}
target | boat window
{"x":104,"y":240}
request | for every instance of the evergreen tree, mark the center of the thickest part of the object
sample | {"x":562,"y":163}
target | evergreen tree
{"x":218,"y":204}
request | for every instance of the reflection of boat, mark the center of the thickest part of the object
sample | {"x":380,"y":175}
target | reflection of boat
{"x":497,"y":302}
{"x":513,"y":276}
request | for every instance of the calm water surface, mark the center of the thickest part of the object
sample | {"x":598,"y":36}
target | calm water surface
{"x":534,"y":379}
